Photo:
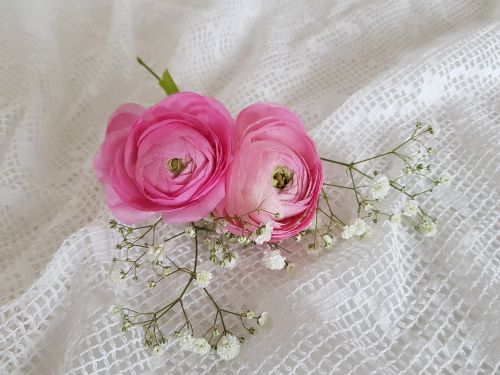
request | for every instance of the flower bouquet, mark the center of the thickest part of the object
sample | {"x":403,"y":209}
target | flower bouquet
{"x":249,"y":184}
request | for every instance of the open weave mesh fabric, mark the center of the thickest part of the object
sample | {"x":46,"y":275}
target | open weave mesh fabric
{"x":359,"y":73}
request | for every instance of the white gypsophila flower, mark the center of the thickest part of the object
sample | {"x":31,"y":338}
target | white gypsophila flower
{"x":118,"y":276}
{"x":167,"y":271}
{"x":360,"y":227}
{"x":357,"y":228}
{"x":203,"y":278}
{"x":263,"y":233}
{"x":367,"y":207}
{"x":298,"y":237}
{"x":380,"y":187}
{"x":407,"y":171}
{"x":250,"y":314}
{"x":115,"y":312}
{"x":156,"y":252}
{"x":185,"y":341}
{"x":328,"y":240}
{"x":200,"y":345}
{"x":209,"y":219}
{"x":273,"y":260}
{"x":263,"y":319}
{"x":126,"y":325}
{"x":228,"y":347}
{"x":190,"y":231}
{"x":157,"y":350}
{"x":444,"y":179}
{"x":410,"y":209}
{"x":427,"y":227}
{"x":221,"y":226}
{"x":395,"y":218}
{"x":347,"y":232}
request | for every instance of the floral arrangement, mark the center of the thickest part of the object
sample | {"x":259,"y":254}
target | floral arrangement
{"x":245,"y":184}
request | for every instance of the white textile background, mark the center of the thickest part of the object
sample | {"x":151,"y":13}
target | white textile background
{"x":360,"y":73}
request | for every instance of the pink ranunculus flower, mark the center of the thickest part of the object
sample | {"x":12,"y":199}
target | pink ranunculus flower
{"x":276,"y":169}
{"x":170,"y":159}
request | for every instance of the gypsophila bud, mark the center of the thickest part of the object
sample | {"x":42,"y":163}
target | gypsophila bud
{"x":433,"y":128}
{"x":190,"y":231}
{"x":203,"y":279}
{"x":407,"y":171}
{"x":167,"y":271}
{"x":249,"y":314}
{"x":126,"y":325}
{"x":444,"y":179}
{"x":328,"y":240}
{"x":151,"y":284}
{"x":311,"y":247}
{"x":290,"y":267}
{"x":242,"y":240}
{"x":263,"y":319}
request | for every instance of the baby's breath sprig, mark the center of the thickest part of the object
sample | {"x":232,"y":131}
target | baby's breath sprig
{"x":369,"y":189}
{"x":140,"y":247}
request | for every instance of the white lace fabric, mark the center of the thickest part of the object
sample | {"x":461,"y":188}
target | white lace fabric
{"x":360,"y":73}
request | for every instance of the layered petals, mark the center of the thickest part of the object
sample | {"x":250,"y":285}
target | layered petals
{"x":170,"y":159}
{"x":276,"y":174}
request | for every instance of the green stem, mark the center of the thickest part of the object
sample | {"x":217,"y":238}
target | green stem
{"x":141,"y":62}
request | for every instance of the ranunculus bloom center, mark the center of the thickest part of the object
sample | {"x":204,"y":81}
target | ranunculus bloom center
{"x":176,"y":165}
{"x":282,"y":177}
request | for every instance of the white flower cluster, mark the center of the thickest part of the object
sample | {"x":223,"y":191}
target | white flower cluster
{"x":156,"y":253}
{"x":357,"y":228}
{"x":380,"y":187}
{"x":395,"y":218}
{"x":444,"y":179}
{"x":328,"y":240}
{"x":273,"y":260}
{"x":203,"y":279}
{"x":263,"y":234}
{"x":427,"y":227}
{"x":410,"y":209}
{"x":228,"y":347}
{"x":115,"y":312}
{"x":198,"y":345}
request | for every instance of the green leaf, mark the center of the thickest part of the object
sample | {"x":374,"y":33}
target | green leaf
{"x":167,"y":83}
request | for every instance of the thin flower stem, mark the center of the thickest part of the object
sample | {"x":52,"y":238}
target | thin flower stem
{"x":141,"y":62}
{"x":336,"y":162}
